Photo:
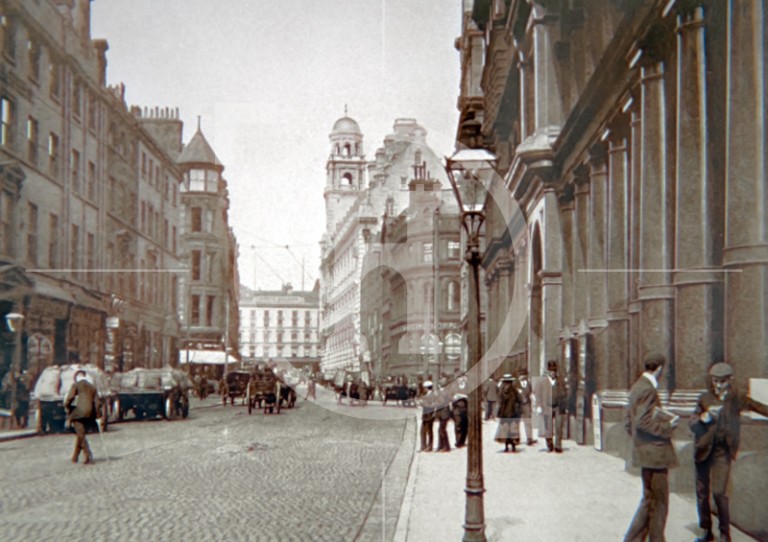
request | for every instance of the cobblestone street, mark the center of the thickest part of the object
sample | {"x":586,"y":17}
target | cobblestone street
{"x":308,"y":473}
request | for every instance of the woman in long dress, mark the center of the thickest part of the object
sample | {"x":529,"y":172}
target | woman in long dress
{"x":507,"y":429}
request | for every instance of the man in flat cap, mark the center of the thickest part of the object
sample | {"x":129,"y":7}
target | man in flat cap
{"x":651,"y":430}
{"x":716,"y":427}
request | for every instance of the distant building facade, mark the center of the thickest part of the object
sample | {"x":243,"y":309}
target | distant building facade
{"x":410,"y":300}
{"x":280,"y":326}
{"x":358,"y":194}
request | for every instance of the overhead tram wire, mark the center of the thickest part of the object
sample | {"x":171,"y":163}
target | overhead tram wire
{"x":272,"y":269}
{"x":273,"y":245}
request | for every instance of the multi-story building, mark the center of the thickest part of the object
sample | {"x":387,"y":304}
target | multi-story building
{"x":80,"y":260}
{"x":210,"y":315}
{"x":410,"y":300}
{"x":630,"y":136}
{"x":281,"y":327}
{"x":90,"y":204}
{"x":354,"y":209}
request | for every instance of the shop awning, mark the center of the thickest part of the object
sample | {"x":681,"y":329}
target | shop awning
{"x":212,"y":357}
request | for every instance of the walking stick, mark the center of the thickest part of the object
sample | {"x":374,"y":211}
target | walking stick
{"x":101,"y":438}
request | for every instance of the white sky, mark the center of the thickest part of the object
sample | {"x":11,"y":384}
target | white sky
{"x":269,"y":78}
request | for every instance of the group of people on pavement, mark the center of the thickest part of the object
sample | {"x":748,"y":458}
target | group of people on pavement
{"x":355,"y":389}
{"x":442,"y":405}
{"x":716,"y":428}
{"x":515,"y":400}
{"x":15,"y":397}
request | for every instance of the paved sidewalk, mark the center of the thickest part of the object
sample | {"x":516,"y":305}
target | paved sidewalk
{"x":13,"y":434}
{"x":579,"y":495}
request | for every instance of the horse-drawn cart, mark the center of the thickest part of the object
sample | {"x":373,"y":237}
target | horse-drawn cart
{"x":263,"y":388}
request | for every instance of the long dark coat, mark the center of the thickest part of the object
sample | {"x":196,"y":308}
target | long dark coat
{"x":507,"y":400}
{"x":651,"y":435}
{"x":728,"y":422}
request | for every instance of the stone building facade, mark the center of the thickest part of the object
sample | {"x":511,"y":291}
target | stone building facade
{"x":91,"y":239}
{"x":73,"y":191}
{"x":631,"y":146}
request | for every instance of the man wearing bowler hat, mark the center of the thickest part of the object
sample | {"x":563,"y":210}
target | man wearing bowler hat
{"x":716,"y":427}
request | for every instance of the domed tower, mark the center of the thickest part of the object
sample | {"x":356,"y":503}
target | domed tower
{"x":345,"y":170}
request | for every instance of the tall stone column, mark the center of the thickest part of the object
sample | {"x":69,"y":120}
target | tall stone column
{"x":746,"y":214}
{"x":698,"y":214}
{"x":581,"y":355}
{"x":581,"y":247}
{"x":503,"y":281}
{"x":634,"y":238}
{"x":567,"y":207}
{"x":655,"y":290}
{"x":549,"y":108}
{"x":596,"y":261}
{"x":551,"y":280}
{"x":526,"y":96}
{"x":620,"y":375}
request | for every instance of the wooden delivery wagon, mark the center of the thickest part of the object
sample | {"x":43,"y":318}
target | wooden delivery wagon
{"x":263,"y":389}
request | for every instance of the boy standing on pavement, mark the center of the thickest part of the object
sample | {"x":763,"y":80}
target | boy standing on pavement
{"x":427,"y":417}
{"x":651,"y":430}
{"x":716,"y":427}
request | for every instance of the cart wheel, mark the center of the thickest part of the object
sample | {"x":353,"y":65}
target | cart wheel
{"x":40,"y":421}
{"x":105,"y":417}
{"x":116,"y":410}
{"x":168,"y":408}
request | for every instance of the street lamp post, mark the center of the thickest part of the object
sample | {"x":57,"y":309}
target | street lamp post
{"x":15,"y":322}
{"x":469,"y":172}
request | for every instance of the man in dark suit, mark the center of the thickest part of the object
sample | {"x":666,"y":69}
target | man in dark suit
{"x":716,"y":427}
{"x":443,"y":415}
{"x":82,"y":405}
{"x":460,"y":419}
{"x":651,"y":429}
